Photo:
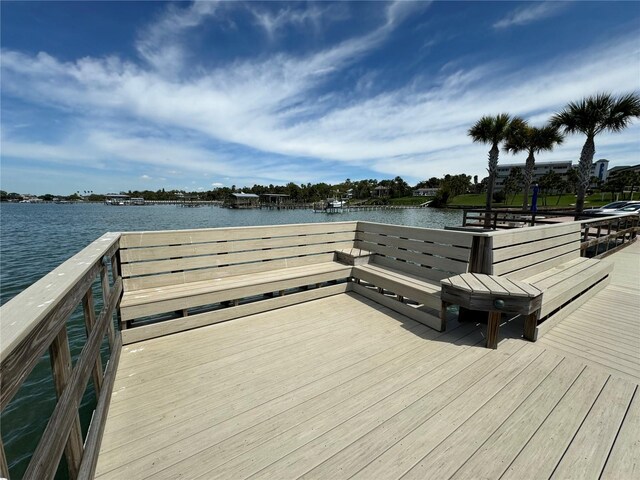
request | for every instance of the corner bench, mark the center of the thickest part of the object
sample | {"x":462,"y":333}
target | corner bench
{"x":548,"y":257}
{"x":409,"y":263}
{"x":174,"y":271}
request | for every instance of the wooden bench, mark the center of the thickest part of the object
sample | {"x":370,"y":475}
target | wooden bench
{"x":496,"y":295}
{"x":409,"y":263}
{"x":175,"y":271}
{"x":548,"y":257}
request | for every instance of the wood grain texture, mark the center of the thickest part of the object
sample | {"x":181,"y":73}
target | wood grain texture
{"x":26,"y":311}
{"x":98,"y":422}
{"x":168,"y":327}
{"x":446,"y":237}
{"x":60,"y":357}
{"x":181,"y":237}
{"x":46,"y":456}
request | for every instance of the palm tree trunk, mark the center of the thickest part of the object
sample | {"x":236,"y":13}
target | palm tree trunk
{"x":528,"y":178}
{"x":584,"y":171}
{"x":493,"y":169}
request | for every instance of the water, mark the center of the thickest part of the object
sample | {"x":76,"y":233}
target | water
{"x":34,"y":239}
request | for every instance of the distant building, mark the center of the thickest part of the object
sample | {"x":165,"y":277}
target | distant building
{"x":243,"y":200}
{"x":380,"y":191}
{"x":425,"y":192}
{"x":599,"y":169}
{"x":116,"y":199}
{"x":275,"y":199}
{"x":615,"y":171}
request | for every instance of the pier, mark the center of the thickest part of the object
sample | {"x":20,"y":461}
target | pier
{"x":324,"y":351}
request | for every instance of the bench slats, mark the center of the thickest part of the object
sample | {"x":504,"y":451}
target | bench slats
{"x":505,"y":238}
{"x":182,"y":237}
{"x":448,"y":237}
{"x":523,"y":263}
{"x":447,"y":251}
{"x":528,"y":248}
{"x":220,"y":292}
{"x":426,"y":273}
{"x":190,"y":250}
{"x":444,"y":264}
{"x":188,"y":263}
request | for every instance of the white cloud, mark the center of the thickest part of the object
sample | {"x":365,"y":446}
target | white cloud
{"x":160,"y":43}
{"x":270,"y":106}
{"x":530,"y":13}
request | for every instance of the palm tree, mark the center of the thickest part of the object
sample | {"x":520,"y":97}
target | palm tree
{"x":491,"y":130}
{"x":591,"y":116}
{"x":533,"y":140}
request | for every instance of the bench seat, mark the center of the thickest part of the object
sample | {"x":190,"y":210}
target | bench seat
{"x":420,"y":289}
{"x":561,"y":284}
{"x":158,"y":300}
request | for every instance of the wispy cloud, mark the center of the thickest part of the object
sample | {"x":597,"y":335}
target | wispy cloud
{"x":160,"y":43}
{"x":530,"y":13}
{"x":313,"y":16}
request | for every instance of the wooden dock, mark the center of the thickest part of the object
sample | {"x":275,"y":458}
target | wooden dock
{"x":343,"y":387}
{"x":325,"y":351}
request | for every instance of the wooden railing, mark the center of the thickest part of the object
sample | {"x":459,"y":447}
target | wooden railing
{"x":505,"y":218}
{"x":35,"y":321}
{"x":603,"y":236}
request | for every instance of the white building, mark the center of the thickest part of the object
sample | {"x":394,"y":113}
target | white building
{"x":425,"y":192}
{"x":599,"y":169}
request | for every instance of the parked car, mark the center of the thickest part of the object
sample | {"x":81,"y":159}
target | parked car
{"x":632,"y":208}
{"x":610,"y":207}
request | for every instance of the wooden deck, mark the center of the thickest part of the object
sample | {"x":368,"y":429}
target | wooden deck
{"x":342,"y":387}
{"x":605,"y":331}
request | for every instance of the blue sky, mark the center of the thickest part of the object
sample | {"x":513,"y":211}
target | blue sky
{"x":109,"y":96}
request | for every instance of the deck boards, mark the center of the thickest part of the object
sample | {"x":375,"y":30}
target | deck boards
{"x":605,"y":331}
{"x":342,"y":386}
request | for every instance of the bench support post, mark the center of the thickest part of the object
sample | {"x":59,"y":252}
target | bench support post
{"x":443,"y":316}
{"x":493,"y":326}
{"x":530,"y":324}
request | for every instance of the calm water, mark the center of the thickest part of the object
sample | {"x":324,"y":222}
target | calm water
{"x":35,"y":239}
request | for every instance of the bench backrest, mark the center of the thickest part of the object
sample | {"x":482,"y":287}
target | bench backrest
{"x":521,"y":253}
{"x":154,"y":259}
{"x":429,"y":253}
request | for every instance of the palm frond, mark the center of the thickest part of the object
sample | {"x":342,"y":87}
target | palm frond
{"x":490,"y":129}
{"x":621,"y":112}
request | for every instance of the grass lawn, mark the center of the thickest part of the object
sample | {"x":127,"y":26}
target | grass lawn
{"x":566,"y":200}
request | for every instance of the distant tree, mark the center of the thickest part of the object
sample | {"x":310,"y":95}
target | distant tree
{"x":451,"y":186}
{"x":573,"y":179}
{"x":533,"y":140}
{"x":433,"y":182}
{"x":633,"y":179}
{"x":549,"y":183}
{"x":492,"y":130}
{"x":513,"y":183}
{"x":591,"y":116}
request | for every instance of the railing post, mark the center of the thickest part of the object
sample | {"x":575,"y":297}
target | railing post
{"x":106,"y":290}
{"x":116,"y":272}
{"x":89,"y":321}
{"x":61,"y":367}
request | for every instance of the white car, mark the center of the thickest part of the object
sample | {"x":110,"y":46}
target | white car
{"x":611,"y":207}
{"x":632,"y":208}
